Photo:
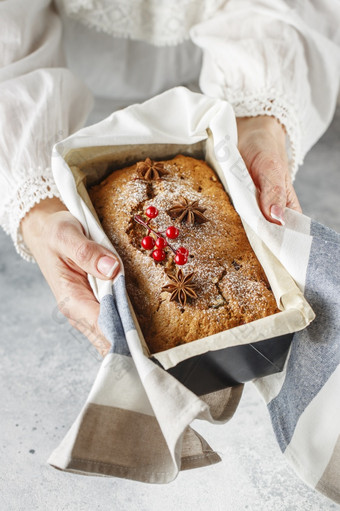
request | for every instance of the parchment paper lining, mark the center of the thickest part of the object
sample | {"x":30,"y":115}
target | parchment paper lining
{"x":89,"y":165}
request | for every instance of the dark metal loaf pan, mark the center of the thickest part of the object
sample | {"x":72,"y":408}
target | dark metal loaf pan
{"x":216,"y":370}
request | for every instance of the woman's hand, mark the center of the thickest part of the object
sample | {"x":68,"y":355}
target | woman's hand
{"x":65,"y":256}
{"x":262,"y":144}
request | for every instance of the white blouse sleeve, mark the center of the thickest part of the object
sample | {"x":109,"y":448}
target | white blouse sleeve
{"x":40,"y":103}
{"x":277,"y":58}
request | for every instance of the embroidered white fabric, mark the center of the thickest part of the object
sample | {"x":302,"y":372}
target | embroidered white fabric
{"x":39,"y":186}
{"x":158,"y":22}
{"x":273,"y":103}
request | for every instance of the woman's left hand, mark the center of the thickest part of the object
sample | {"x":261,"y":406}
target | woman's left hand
{"x":262,"y":144}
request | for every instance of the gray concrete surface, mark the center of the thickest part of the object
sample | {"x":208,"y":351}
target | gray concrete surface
{"x":46,"y":373}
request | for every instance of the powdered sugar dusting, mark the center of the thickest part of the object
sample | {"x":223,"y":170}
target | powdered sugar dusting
{"x":230,"y":284}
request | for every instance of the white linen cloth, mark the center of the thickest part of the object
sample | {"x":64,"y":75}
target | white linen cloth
{"x":136,"y":420}
{"x":277,"y":58}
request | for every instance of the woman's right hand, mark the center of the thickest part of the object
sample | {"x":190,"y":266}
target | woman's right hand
{"x":65,"y":256}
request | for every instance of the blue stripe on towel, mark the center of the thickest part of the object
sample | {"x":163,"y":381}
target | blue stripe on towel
{"x":315,"y":352}
{"x":321,"y":231}
{"x":119,"y":290}
{"x":115,"y":318}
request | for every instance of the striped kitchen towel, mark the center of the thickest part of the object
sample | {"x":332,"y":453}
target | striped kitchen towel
{"x":136,"y":420}
{"x":304,"y":400}
{"x":135,"y":423}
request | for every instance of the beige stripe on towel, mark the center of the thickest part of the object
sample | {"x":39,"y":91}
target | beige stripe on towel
{"x":96,"y":449}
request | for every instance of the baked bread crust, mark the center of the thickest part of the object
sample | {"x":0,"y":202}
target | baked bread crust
{"x":231,"y":286}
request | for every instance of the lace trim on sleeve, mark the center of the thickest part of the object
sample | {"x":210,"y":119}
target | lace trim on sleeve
{"x":271,"y":102}
{"x":30,"y":192}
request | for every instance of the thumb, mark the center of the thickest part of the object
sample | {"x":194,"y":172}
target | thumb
{"x":269,"y":177}
{"x":76,"y":249}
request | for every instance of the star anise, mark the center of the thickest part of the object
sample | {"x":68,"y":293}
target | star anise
{"x":150,"y":170}
{"x":180,"y":287}
{"x":187,"y":211}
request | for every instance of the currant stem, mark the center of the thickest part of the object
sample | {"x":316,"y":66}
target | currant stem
{"x":139,"y":220}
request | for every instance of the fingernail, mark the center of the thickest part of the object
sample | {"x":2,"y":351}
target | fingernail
{"x":107,"y":266}
{"x":276,"y":212}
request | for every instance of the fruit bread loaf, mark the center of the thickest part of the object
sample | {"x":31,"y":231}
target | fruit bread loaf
{"x":189,"y":268}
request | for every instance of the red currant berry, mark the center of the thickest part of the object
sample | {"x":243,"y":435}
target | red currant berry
{"x":180,"y":259}
{"x":161,"y":242}
{"x":172,"y":232}
{"x":151,"y":212}
{"x":182,"y":250}
{"x":158,"y":254}
{"x":148,"y":242}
